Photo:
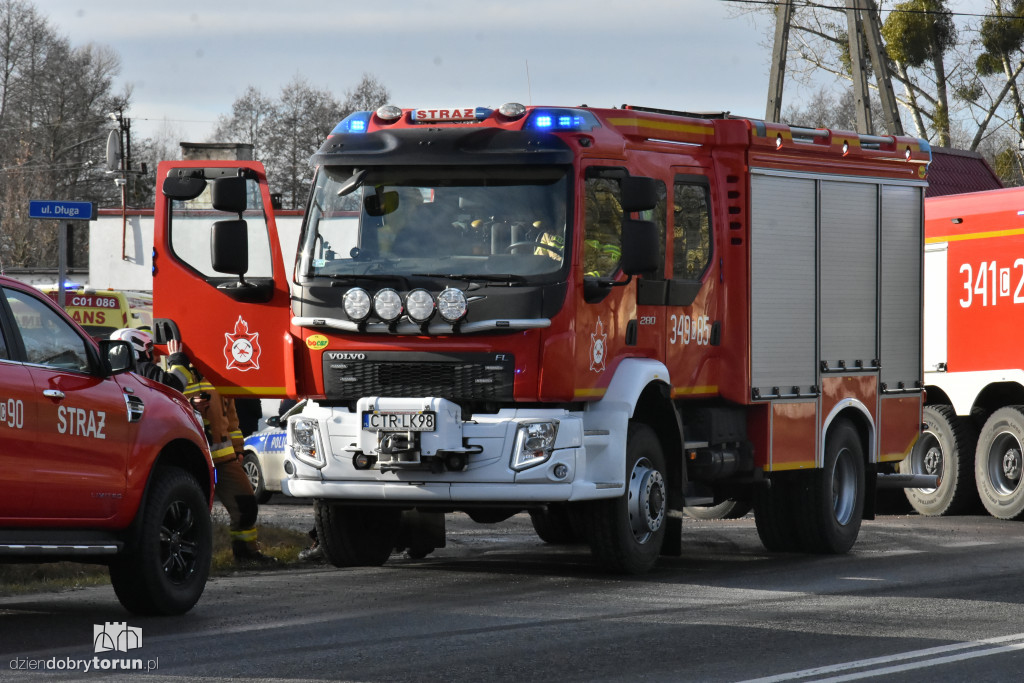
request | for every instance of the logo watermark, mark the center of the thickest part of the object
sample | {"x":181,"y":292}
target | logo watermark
{"x":113,"y":636}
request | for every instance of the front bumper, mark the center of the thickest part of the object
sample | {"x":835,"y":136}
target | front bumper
{"x":575,"y":467}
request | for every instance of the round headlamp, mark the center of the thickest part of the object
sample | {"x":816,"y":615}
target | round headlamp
{"x":419,"y":305}
{"x":356,"y":303}
{"x":451,"y":304}
{"x":387,"y":304}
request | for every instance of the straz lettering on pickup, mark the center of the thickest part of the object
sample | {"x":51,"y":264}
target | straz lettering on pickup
{"x":81,"y":422}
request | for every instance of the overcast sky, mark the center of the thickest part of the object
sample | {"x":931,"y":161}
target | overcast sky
{"x":188,"y":62}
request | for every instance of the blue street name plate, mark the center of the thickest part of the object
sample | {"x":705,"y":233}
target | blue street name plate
{"x":62,"y":211}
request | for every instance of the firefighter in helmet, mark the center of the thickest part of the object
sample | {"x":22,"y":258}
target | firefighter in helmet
{"x":177,"y":375}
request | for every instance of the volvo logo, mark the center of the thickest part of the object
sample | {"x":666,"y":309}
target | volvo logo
{"x":342,"y":355}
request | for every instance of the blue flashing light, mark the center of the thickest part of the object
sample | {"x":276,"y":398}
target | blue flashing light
{"x":561,"y":120}
{"x":356,"y":122}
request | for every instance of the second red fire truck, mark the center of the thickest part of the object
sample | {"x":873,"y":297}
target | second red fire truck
{"x":599,"y":316}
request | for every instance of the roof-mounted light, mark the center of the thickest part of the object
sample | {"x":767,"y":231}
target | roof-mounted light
{"x":561,"y":120}
{"x":512,"y":110}
{"x":356,"y":122}
{"x":389,"y":112}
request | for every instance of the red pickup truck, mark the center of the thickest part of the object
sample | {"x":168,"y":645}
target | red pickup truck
{"x":98,"y":464}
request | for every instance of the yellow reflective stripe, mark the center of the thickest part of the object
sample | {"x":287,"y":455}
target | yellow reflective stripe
{"x":246,"y":535}
{"x":222,"y":451}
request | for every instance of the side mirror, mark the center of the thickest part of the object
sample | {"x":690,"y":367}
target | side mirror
{"x":228,"y":194}
{"x":274,"y":421}
{"x":639,"y":194}
{"x":640,"y":247}
{"x":183,"y":188}
{"x":229,"y":247}
{"x":117,"y":356}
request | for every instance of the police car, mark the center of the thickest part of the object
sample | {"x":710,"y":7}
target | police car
{"x":264,"y":455}
{"x":100,"y":464}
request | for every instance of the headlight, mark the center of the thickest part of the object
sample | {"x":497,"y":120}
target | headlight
{"x":534,"y":443}
{"x":451,"y":304}
{"x":419,"y":305}
{"x":305,"y":441}
{"x":387,"y":304}
{"x":356,"y":303}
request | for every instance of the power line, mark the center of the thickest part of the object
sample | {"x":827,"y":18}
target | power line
{"x":843,"y":8}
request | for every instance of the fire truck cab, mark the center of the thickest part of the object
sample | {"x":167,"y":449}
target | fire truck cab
{"x":599,"y":316}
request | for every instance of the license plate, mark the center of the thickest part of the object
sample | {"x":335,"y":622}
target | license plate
{"x":384,"y":421}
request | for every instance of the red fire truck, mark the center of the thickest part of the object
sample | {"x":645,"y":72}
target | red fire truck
{"x":595,"y":315}
{"x":974,"y":420}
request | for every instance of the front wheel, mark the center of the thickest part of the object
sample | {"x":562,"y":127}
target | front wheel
{"x":998,"y":463}
{"x":166,"y":564}
{"x":356,"y":535}
{"x":626,"y":533}
{"x":833,"y":500}
{"x":253,"y":470}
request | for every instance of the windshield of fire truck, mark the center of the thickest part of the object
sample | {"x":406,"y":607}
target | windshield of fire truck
{"x":459,"y":221}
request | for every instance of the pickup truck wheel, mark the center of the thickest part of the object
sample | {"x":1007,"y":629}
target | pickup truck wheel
{"x":833,"y":500}
{"x":166,"y":564}
{"x":553,"y":524}
{"x":946,"y":448}
{"x":998,"y":463}
{"x":626,"y":533}
{"x":251,"y":466}
{"x":354,"y":535}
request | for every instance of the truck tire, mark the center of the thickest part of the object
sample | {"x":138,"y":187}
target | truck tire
{"x":167,"y":561}
{"x":946,"y":448}
{"x":553,"y":524}
{"x":626,"y":533}
{"x":776,"y":512}
{"x":727,"y":509}
{"x":356,"y":535}
{"x":998,"y":463}
{"x":833,"y":500}
{"x":251,"y":465}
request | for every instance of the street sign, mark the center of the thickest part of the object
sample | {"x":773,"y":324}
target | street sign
{"x":58,"y":210}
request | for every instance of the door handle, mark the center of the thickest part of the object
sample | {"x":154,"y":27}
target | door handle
{"x":53,"y":393}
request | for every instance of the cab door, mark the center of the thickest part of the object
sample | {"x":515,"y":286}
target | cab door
{"x":693,"y":314}
{"x":232,"y":315}
{"x":74,"y":464}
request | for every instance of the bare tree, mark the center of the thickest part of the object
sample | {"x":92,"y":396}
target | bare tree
{"x":367,"y":95}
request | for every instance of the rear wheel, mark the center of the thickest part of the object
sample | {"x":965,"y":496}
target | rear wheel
{"x":355,"y":535}
{"x":626,"y":533}
{"x":946,"y":449}
{"x":253,"y":470}
{"x":166,"y":564}
{"x":998,"y":463}
{"x":833,"y":502}
{"x":727,"y":509}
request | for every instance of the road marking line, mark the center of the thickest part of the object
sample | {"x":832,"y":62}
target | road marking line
{"x":980,"y":648}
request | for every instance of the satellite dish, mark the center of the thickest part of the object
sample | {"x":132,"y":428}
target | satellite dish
{"x":114,"y":151}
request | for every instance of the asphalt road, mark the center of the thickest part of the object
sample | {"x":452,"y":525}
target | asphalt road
{"x":917,"y":599}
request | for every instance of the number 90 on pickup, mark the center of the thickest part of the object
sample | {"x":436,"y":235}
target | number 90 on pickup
{"x":393,"y":421}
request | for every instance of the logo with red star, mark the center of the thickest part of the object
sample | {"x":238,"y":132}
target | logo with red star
{"x":242,"y":349}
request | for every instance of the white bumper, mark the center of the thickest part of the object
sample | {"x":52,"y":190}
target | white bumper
{"x":580,"y":466}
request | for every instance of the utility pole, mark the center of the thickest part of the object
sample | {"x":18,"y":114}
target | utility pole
{"x":865,"y":42}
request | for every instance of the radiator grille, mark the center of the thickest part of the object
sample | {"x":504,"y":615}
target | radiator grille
{"x":478,"y":376}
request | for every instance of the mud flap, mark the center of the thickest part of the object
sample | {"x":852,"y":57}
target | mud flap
{"x":421,"y":532}
{"x":672,"y":545}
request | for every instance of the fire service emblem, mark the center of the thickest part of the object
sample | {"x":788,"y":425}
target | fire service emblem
{"x":242,"y":349}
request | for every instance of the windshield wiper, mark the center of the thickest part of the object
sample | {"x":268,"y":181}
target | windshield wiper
{"x":509,"y":279}
{"x":366,"y":276}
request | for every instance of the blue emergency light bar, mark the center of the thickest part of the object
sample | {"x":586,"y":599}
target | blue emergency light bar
{"x":356,"y":122}
{"x":561,"y":120}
